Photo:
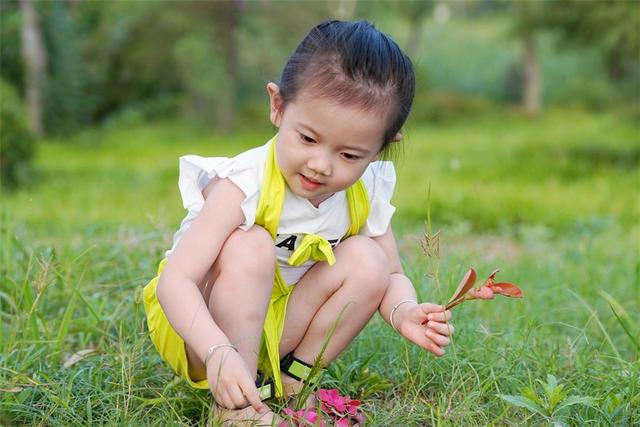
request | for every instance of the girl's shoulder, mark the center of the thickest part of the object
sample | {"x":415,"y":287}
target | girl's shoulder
{"x":380,"y":177}
{"x":250,"y":159}
{"x":245,"y":170}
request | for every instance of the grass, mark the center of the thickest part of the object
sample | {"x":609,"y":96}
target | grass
{"x":553,"y":202}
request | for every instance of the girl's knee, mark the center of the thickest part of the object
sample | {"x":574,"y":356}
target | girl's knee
{"x":250,"y":250}
{"x":368,"y":262}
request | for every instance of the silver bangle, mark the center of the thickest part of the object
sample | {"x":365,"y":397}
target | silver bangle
{"x":394,"y":310}
{"x":213,"y":348}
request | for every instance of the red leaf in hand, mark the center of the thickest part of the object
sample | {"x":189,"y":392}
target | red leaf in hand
{"x":492,"y":276}
{"x":506,"y":289}
{"x":467,"y":282}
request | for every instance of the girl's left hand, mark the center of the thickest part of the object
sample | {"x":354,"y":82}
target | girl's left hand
{"x":434,"y":334}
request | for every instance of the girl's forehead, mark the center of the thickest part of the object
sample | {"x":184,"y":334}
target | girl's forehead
{"x":330,"y":119}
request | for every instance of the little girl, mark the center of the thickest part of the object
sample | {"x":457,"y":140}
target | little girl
{"x":281,"y":239}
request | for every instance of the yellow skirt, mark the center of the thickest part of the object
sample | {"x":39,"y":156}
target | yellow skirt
{"x":169,"y":344}
{"x":173,"y":349}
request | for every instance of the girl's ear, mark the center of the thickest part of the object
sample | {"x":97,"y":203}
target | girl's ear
{"x":396,"y":138}
{"x":275,"y":104}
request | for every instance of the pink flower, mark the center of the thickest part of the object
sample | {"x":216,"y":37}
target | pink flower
{"x":331,"y":400}
{"x":343,"y":409}
{"x":308,"y":417}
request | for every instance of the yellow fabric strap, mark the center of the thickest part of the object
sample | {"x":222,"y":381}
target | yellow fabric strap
{"x":312,"y":246}
{"x":272,"y":195}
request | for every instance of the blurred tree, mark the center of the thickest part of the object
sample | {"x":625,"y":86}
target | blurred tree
{"x":226,"y":18}
{"x":11,"y":63}
{"x":66,"y":98}
{"x":17,"y":144}
{"x":267,"y":34}
{"x":415,"y":13}
{"x":128,"y":55}
{"x":612,"y":25}
{"x":34,"y":58}
{"x":526,"y":24}
{"x":208,"y":58}
{"x":342,"y":9}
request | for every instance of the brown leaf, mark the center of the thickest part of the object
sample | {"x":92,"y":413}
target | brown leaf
{"x":506,"y":289}
{"x":78,"y":356}
{"x":15,"y":389}
{"x":490,"y":279}
{"x":450,"y":305}
{"x":464,"y":286}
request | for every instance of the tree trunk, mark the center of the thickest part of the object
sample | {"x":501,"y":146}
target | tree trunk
{"x":227,"y":21}
{"x":34,"y":58}
{"x":531,"y":86}
{"x":416,"y":29}
{"x":342,"y":9}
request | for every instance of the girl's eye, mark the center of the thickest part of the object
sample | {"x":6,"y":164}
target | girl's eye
{"x":307,"y":139}
{"x":349,"y":156}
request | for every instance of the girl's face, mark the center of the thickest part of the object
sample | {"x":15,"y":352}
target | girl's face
{"x":323,"y":147}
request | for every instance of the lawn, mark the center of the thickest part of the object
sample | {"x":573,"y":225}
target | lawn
{"x":553,"y":202}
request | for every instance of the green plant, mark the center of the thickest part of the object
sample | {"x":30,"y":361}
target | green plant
{"x":551,"y":403}
{"x":353,"y":377}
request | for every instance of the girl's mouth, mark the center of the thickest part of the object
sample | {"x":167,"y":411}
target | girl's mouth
{"x":308,"y":184}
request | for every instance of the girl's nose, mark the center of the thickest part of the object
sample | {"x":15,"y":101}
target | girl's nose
{"x":320,"y":164}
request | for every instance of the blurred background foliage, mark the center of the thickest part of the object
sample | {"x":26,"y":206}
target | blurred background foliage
{"x":210,"y":60}
{"x":77,"y":65}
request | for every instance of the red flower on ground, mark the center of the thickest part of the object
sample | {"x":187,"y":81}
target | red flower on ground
{"x":303,"y":417}
{"x":343,"y":409}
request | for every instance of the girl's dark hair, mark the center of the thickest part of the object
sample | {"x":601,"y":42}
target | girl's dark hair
{"x":354,"y":64}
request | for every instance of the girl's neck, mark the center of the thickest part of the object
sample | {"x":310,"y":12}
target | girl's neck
{"x":316,"y":202}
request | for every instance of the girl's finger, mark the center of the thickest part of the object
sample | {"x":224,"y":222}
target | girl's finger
{"x":436,"y":349}
{"x":441,"y":340}
{"x":426,"y":343}
{"x":237,"y":397}
{"x":223,"y":399}
{"x":427,"y":308}
{"x":251,"y":393}
{"x":442,"y":316}
{"x":445,"y":329}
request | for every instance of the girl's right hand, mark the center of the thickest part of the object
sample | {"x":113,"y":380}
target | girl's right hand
{"x":230,"y":381}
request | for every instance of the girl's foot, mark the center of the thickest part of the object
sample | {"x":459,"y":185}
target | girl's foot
{"x":292,"y":389}
{"x":299,"y":376}
{"x":242,"y":417}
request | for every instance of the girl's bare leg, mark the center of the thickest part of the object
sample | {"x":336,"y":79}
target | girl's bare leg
{"x":238,"y":289}
{"x":359,"y":279}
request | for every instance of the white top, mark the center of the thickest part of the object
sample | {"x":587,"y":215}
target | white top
{"x":330,"y":219}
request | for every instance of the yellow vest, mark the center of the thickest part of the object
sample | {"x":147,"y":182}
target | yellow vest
{"x":312,"y":246}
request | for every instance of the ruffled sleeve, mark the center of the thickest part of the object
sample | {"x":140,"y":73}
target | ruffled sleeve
{"x":380,"y":180}
{"x":196,"y":172}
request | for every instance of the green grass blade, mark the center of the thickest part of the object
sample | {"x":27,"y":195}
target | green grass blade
{"x":66,"y":320}
{"x":623,"y":318}
{"x":523,"y":402}
{"x":594,"y":315}
{"x":573,"y":400}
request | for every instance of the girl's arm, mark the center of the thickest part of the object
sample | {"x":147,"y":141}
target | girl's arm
{"x":178,"y":291}
{"x":408,"y":317}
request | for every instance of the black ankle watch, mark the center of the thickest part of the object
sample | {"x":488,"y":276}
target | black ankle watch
{"x":298,"y":369}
